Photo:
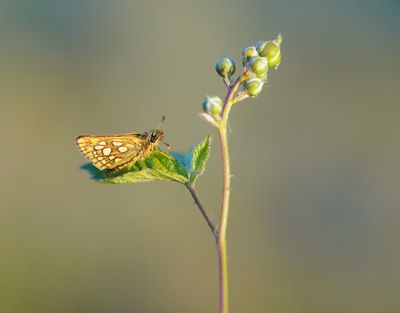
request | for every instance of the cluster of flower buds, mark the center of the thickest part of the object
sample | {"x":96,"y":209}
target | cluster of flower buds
{"x":257,"y":60}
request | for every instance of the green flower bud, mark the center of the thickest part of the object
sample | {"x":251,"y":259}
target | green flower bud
{"x":258,"y":65}
{"x":248,"y":53}
{"x":262,"y":76}
{"x":260,"y":45}
{"x":212,"y":105}
{"x":225,"y":66}
{"x":271,"y":50}
{"x":253,"y":86}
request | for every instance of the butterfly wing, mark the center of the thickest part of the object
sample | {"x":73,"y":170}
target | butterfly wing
{"x":109,"y":152}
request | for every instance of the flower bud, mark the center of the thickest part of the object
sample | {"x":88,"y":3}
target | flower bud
{"x":253,"y":86}
{"x":248,"y":53}
{"x":262,"y":76}
{"x":212,"y":105}
{"x":225,"y":66}
{"x":271,"y":50}
{"x":260,"y":45}
{"x":259,"y":66}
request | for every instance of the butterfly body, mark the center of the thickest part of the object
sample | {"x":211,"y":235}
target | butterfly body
{"x":115,"y":153}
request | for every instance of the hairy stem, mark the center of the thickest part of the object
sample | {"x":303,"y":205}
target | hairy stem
{"x":202,"y":210}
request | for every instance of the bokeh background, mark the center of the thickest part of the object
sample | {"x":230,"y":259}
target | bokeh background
{"x":314,"y":223}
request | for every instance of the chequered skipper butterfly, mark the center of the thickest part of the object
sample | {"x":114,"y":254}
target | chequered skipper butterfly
{"x":116,"y":153}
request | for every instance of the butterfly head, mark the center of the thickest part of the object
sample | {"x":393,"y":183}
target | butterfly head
{"x":155,"y":136}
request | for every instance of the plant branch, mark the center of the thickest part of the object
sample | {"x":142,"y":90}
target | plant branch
{"x":221,"y":238}
{"x":230,"y":97}
{"x":240,"y":97}
{"x":227,"y":81}
{"x":202,"y":210}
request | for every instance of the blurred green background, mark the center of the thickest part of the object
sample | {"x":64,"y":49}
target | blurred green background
{"x":314,"y":223}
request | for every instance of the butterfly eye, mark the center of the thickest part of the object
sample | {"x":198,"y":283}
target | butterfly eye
{"x":153,"y":138}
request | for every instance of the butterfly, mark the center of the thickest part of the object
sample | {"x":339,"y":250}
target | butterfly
{"x":116,"y":153}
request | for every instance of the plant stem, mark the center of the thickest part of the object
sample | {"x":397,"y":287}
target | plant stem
{"x":221,"y":238}
{"x":203,"y":211}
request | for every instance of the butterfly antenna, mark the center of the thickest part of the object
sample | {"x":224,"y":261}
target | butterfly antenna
{"x":162,"y":120}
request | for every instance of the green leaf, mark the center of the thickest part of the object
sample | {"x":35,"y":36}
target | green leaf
{"x":199,"y":159}
{"x":181,"y":167}
{"x":156,"y":167}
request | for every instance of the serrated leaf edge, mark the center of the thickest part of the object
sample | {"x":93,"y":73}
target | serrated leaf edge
{"x":197,"y":167}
